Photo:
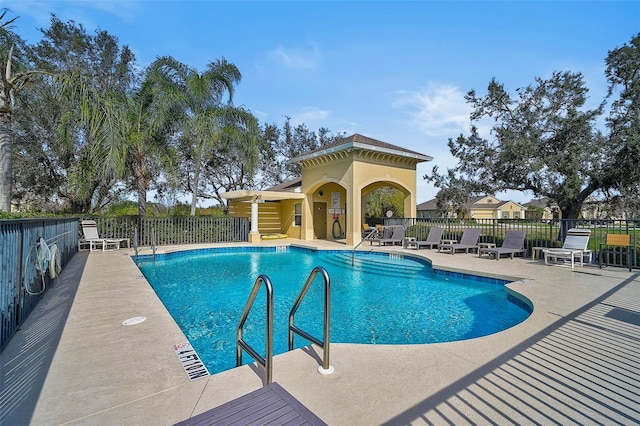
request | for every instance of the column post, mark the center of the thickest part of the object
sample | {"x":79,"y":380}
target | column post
{"x":254,"y":234}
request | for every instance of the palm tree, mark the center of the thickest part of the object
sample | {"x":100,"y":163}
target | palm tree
{"x":195,"y":100}
{"x":11,"y":84}
{"x":140,"y":143}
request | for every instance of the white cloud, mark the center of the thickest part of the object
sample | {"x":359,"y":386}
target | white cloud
{"x":296,"y":58}
{"x":309,"y":115}
{"x":437,"y":110}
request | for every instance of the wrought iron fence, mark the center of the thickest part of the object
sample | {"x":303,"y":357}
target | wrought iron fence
{"x":539,"y":233}
{"x":174,"y":230}
{"x":21,"y":285}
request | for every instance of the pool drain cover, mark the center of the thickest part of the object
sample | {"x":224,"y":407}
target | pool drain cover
{"x":134,"y":321}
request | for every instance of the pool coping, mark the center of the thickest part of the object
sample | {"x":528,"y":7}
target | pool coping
{"x":103,"y":373}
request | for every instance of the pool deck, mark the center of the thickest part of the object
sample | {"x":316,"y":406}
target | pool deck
{"x":573,"y":361}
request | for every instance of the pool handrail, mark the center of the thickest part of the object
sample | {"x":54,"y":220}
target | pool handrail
{"x":325,"y":344}
{"x":267,"y":361}
{"x":367,"y":237}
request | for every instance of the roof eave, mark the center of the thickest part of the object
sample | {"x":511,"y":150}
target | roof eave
{"x":361,"y":146}
{"x":251,"y":195}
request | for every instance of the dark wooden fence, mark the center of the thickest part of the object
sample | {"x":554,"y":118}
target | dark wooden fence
{"x":21,"y":286}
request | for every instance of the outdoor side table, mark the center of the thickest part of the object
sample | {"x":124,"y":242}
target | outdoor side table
{"x":409,"y":242}
{"x":486,"y":245}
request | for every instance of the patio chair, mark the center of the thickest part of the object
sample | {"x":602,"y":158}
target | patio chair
{"x":368,"y":231}
{"x":616,"y":245}
{"x":433,"y":239}
{"x":513,"y":244}
{"x":396,"y":237}
{"x":93,"y":240}
{"x":468,"y":241}
{"x":574,"y":248}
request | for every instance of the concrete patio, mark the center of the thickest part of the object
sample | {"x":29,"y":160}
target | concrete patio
{"x":573,"y":361}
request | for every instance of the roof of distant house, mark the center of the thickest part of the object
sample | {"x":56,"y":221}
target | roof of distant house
{"x":540,"y":202}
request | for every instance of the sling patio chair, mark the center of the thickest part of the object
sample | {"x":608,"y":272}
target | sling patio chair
{"x":468,"y":241}
{"x":433,"y":239}
{"x":574,"y":248}
{"x":93,"y":240}
{"x":513,"y":244}
{"x":397,"y":237}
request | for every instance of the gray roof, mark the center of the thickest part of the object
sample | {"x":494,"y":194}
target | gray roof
{"x":540,"y":202}
{"x":288,"y":185}
{"x":428,"y":205}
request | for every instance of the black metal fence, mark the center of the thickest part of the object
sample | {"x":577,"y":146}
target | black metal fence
{"x":21,"y":285}
{"x":174,"y":230}
{"x":539,"y":233}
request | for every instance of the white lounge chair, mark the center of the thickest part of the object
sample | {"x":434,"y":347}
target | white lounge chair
{"x":93,"y":240}
{"x":574,"y":248}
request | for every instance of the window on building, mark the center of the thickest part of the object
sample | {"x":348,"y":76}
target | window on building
{"x":516,"y":215}
{"x":297,"y":214}
{"x":505,"y":215}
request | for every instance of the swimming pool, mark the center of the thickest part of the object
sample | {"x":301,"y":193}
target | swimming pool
{"x":383,"y":299}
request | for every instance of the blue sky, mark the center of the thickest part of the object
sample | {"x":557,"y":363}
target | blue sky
{"x":392,"y":70}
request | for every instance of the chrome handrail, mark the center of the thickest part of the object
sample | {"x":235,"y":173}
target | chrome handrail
{"x":267,"y":361}
{"x":365,"y":238}
{"x":326,"y":368}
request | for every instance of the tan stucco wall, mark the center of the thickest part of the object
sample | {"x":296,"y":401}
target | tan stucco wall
{"x":353,"y":177}
{"x":269,"y":215}
{"x":483,"y":214}
{"x":514,"y":211}
{"x":287,"y":212}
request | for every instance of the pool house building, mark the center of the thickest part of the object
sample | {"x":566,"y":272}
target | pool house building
{"x":326,"y":201}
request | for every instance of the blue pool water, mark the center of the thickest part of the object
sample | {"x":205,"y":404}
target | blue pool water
{"x":383,"y":299}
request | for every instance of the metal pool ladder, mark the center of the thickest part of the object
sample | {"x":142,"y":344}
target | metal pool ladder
{"x":326,"y":367}
{"x":267,"y":361}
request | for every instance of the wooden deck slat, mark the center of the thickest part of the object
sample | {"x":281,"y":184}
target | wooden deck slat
{"x":246,"y":415}
{"x":249,"y":405}
{"x":269,"y":405}
{"x":285,"y":416}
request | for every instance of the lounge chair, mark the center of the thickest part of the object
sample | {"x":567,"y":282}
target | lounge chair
{"x":93,"y":240}
{"x":368,"y":231}
{"x":574,"y":248}
{"x":513,"y":244}
{"x":468,"y":241}
{"x":433,"y":239}
{"x":396,"y":237}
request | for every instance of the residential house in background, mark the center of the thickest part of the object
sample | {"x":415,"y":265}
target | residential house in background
{"x":429,"y":209}
{"x":484,"y":207}
{"x":548,"y":208}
